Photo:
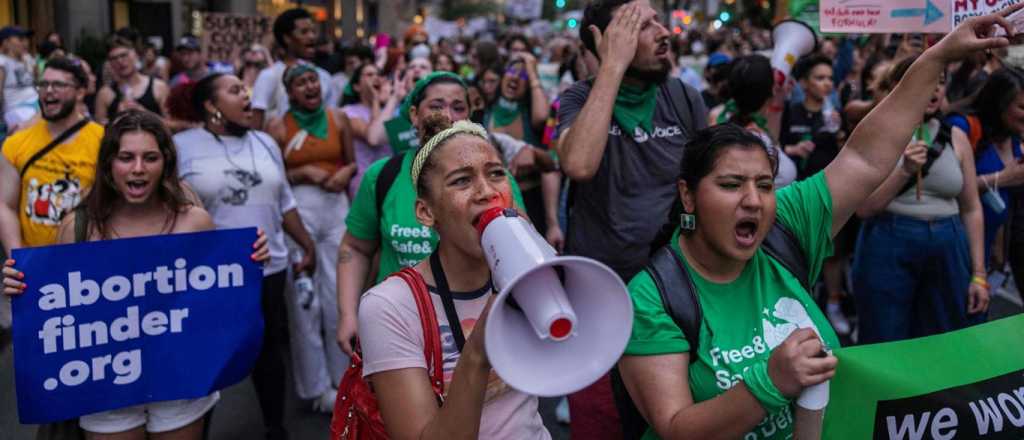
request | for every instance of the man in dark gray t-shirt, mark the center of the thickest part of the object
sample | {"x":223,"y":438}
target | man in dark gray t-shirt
{"x":624,"y":183}
{"x":621,"y":138}
{"x":617,"y":212}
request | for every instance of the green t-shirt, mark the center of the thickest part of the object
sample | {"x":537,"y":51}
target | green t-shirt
{"x":404,"y":241}
{"x":748,"y":317}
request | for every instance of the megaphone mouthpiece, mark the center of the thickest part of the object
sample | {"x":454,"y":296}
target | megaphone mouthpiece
{"x":485,"y":218}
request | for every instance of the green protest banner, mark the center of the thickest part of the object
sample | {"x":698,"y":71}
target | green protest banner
{"x":967,"y":384}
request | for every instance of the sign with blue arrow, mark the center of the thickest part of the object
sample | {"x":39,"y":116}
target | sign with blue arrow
{"x":929,"y":12}
{"x":888,"y":16}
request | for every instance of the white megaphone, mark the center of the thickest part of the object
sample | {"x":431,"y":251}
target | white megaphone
{"x":558,"y":323}
{"x":791,"y":40}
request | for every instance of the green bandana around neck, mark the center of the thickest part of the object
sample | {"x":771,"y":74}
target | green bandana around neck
{"x":314,"y":122}
{"x":634,"y":107}
{"x":732,"y":109}
{"x":505,"y":112}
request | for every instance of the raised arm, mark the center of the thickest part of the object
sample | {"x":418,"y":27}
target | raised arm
{"x":877,"y":143}
{"x":539,"y":104}
{"x":376,"y":134}
{"x":914,"y":156}
{"x":582,"y":145}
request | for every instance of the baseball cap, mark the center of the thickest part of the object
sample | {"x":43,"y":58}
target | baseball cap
{"x":718,"y":59}
{"x":189,"y":42}
{"x":13,"y":31}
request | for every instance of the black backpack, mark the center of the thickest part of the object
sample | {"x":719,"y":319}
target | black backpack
{"x":679,"y":297}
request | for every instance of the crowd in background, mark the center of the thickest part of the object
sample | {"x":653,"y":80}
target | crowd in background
{"x":305,"y":125}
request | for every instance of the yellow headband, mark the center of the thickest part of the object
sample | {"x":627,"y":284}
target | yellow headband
{"x":460,"y":127}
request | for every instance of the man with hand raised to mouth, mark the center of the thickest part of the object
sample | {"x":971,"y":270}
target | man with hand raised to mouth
{"x":621,"y":143}
{"x":295,"y":32}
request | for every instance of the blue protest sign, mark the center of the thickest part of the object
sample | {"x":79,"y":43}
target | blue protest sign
{"x":109,"y":324}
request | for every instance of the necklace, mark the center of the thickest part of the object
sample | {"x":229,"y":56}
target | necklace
{"x":252,"y":176}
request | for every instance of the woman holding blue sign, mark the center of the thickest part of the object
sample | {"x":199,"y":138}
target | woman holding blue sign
{"x":761,"y":341}
{"x":137,"y":193}
{"x":240,"y":177}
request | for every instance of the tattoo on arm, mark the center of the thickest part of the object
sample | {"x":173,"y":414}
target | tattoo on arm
{"x":344,"y":255}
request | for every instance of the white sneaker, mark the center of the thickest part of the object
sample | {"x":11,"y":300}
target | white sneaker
{"x":839,"y":322}
{"x":325,"y":403}
{"x":562,"y":411}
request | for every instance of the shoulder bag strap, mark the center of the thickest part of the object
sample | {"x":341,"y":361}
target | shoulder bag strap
{"x":81,"y":225}
{"x":431,"y":333}
{"x":54,"y":143}
{"x":678,"y":294}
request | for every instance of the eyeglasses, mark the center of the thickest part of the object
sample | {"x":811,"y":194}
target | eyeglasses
{"x":58,"y":86}
{"x":520,"y":72}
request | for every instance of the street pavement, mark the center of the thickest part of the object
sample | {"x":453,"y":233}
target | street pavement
{"x":237,"y":415}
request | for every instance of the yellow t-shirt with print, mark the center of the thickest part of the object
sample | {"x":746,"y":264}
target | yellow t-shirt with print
{"x":55,"y":183}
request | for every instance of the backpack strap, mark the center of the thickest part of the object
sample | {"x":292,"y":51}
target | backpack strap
{"x":678,"y":294}
{"x":386,"y":178}
{"x":782,"y":245}
{"x":431,"y":332}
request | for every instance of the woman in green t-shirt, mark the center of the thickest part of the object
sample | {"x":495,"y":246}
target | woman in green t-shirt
{"x":394,"y":231}
{"x":760,"y":342}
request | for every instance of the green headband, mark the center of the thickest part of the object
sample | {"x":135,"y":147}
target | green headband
{"x":460,"y":127}
{"x":421,"y":85}
{"x":294,"y":72}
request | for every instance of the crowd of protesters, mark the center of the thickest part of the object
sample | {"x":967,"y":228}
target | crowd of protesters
{"x":892,"y":161}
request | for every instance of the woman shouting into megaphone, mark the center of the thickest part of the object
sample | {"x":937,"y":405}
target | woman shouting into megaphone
{"x":761,"y":343}
{"x":458,"y":175}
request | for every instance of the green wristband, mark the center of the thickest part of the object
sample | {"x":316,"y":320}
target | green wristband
{"x":760,"y":385}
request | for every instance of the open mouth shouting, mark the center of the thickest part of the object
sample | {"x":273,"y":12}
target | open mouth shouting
{"x":136,"y":189}
{"x":746,"y":232}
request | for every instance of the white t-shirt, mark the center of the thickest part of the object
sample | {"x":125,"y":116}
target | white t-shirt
{"x":391,"y":337}
{"x":269,"y":95}
{"x":241,"y":182}
{"x":21,"y":102}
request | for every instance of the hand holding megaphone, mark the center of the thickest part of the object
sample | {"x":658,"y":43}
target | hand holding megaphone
{"x":558,"y":323}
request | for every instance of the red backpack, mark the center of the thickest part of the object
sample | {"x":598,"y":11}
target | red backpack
{"x":356,"y":415}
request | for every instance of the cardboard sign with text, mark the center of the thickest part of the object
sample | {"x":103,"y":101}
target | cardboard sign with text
{"x":226,"y":35}
{"x":886,"y":16}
